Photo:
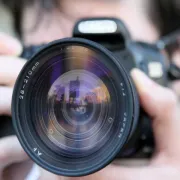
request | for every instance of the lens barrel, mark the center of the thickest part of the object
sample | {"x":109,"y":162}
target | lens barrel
{"x":74,"y":107}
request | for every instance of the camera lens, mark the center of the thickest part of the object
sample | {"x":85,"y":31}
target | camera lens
{"x":78,"y":104}
{"x":74,"y":107}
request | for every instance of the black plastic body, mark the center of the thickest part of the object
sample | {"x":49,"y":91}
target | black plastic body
{"x":139,"y":55}
{"x":130,"y":54}
{"x":124,"y":55}
{"x":28,"y":138}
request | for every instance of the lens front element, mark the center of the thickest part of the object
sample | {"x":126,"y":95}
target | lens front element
{"x":73,"y":107}
{"x":78,"y":105}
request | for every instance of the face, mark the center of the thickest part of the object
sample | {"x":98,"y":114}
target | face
{"x":59,"y":23}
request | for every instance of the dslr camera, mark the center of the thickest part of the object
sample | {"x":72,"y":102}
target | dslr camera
{"x":75,"y":107}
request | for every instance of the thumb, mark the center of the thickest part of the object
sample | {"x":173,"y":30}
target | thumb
{"x":9,"y":45}
{"x":113,"y":172}
{"x":161,"y":105}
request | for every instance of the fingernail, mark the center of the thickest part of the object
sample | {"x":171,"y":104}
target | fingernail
{"x":141,"y":80}
{"x":10,"y":46}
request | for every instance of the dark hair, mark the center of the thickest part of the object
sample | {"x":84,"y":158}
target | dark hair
{"x":165,"y":14}
{"x":17,"y":6}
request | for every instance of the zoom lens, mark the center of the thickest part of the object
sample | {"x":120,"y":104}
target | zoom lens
{"x":73,"y":107}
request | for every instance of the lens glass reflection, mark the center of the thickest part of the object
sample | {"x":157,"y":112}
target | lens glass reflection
{"x":74,"y":103}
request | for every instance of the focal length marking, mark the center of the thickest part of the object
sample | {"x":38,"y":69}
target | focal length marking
{"x":26,"y":80}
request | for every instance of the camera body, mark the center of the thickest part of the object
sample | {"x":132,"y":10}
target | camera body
{"x":113,"y":35}
{"x":91,"y":72}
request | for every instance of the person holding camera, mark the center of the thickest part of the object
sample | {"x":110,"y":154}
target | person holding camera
{"x":159,"y":102}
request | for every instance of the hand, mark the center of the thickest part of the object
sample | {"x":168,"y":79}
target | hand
{"x":14,"y":162}
{"x":175,"y":85}
{"x":10,"y":66}
{"x":161,"y":104}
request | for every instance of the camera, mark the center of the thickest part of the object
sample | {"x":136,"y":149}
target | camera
{"x":75,"y":107}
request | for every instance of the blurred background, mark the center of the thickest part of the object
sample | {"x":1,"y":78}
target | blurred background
{"x":41,"y":21}
{"x":6,"y":20}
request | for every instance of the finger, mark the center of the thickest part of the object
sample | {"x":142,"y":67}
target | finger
{"x":11,"y":151}
{"x":46,"y":175}
{"x":5,"y":100}
{"x":18,"y":171}
{"x":143,"y":173}
{"x":120,"y":173}
{"x":176,"y":87}
{"x":161,"y":104}
{"x":176,"y":57}
{"x":9,"y":69}
{"x":112,"y":172}
{"x":9,"y":45}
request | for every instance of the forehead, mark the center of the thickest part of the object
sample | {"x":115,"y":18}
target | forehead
{"x":67,"y":12}
{"x":132,"y":12}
